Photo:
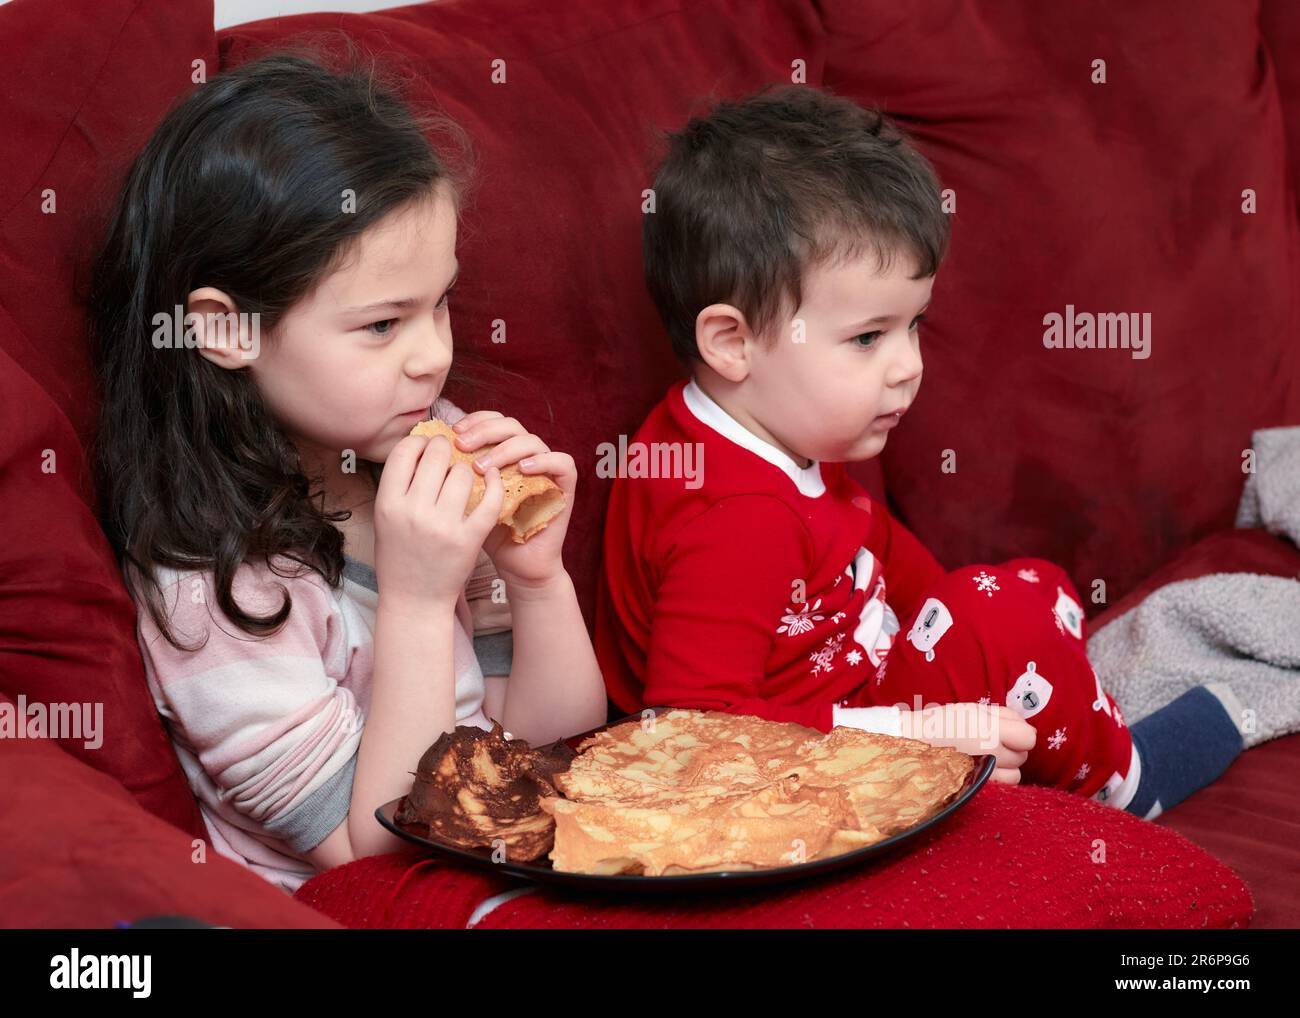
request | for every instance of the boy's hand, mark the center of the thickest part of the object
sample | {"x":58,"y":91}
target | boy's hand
{"x":976,"y":729}
{"x":537,"y":560}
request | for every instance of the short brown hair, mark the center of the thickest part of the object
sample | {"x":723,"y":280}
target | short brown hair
{"x":759,"y":189}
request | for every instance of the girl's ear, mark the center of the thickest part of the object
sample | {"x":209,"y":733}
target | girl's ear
{"x":221,"y":333}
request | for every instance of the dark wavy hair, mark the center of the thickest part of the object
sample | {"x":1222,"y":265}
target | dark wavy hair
{"x":240,"y":187}
{"x":752,"y":193}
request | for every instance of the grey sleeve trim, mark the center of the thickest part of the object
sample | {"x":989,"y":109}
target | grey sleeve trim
{"x":495,"y":651}
{"x":307,"y":824}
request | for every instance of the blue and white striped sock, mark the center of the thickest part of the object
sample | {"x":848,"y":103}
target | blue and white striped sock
{"x":1179,"y":749}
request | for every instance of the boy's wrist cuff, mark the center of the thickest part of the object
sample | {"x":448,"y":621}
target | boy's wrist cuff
{"x":880,"y":720}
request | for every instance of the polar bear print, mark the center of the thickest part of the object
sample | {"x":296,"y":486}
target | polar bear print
{"x":877,"y":622}
{"x":1102,"y":702}
{"x":1109,"y":788}
{"x":932,"y":621}
{"x":1030,"y":693}
{"x":876,"y":627}
{"x":1070,"y":613}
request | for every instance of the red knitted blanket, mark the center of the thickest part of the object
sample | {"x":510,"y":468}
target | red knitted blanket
{"x":1013,"y":857}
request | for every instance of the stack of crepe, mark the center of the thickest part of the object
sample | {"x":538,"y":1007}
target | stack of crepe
{"x":701,"y":791}
{"x":476,"y":789}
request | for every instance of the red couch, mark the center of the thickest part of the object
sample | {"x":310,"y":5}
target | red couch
{"x":1117,"y":195}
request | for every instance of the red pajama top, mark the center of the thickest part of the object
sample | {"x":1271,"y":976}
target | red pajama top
{"x":746,"y":583}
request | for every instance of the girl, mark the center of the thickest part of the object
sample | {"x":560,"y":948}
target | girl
{"x":270,"y":308}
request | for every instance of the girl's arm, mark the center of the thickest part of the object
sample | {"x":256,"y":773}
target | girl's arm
{"x":412,"y":703}
{"x":555,"y":688}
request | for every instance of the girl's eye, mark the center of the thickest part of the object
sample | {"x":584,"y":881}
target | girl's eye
{"x":374,"y":327}
{"x":870,"y":337}
{"x":445,"y":297}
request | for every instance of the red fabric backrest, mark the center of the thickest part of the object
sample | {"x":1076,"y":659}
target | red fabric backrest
{"x":1116,"y":197}
{"x":1280,"y":25}
{"x":81,"y":93}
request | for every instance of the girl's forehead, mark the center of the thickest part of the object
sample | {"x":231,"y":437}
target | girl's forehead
{"x":415,"y":246}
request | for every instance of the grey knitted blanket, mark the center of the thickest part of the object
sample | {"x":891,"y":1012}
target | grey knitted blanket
{"x":1240,"y":630}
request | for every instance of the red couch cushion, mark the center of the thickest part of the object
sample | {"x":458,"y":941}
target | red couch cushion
{"x":1235,"y":550}
{"x":1250,"y":821}
{"x":80,"y":853}
{"x":1014,"y":856}
{"x":552,"y":244}
{"x":67,"y":624}
{"x":82,"y":93}
{"x":1250,"y":817}
{"x":1116,"y":197}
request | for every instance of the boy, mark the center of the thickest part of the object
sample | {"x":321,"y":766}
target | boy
{"x":792,"y":251}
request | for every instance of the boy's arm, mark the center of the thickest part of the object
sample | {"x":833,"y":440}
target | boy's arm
{"x":909,"y":567}
{"x":725,"y":581}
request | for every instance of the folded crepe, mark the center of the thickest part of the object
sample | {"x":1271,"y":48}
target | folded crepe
{"x":531,"y":501}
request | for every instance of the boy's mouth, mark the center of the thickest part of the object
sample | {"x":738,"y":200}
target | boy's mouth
{"x":893,"y":417}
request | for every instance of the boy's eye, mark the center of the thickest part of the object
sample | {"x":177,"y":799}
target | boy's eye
{"x":870,"y":337}
{"x":445,"y":297}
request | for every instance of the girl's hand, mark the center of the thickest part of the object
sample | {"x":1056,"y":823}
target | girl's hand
{"x":425,"y":545}
{"x":976,"y":729}
{"x":538,"y":560}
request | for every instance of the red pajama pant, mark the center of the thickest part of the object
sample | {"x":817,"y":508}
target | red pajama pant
{"x":1012,"y":634}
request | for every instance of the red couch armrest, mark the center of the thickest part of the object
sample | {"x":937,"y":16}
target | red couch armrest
{"x":79,"y":852}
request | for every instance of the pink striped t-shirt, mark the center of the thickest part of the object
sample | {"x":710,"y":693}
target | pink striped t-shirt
{"x":267,"y":729}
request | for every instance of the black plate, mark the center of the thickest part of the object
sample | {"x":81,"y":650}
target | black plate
{"x":540,"y":870}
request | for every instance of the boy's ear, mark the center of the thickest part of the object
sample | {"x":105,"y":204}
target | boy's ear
{"x":725,"y":341}
{"x":220,"y":334}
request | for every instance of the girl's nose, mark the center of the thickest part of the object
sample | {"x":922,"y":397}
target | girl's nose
{"x":431,"y":349}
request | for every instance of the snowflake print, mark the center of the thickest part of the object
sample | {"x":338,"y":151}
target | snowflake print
{"x":1057,"y":619}
{"x":986,"y":583}
{"x":835,"y":619}
{"x":853,"y":657}
{"x":801,"y":621}
{"x":837,"y":580}
{"x":1028,"y":575}
{"x":1119,"y":718}
{"x":822,"y":658}
{"x":1057,"y":739}
{"x":1083,"y":773}
{"x":984,"y":699}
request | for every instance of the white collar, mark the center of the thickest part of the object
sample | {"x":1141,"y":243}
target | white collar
{"x":807,"y":479}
